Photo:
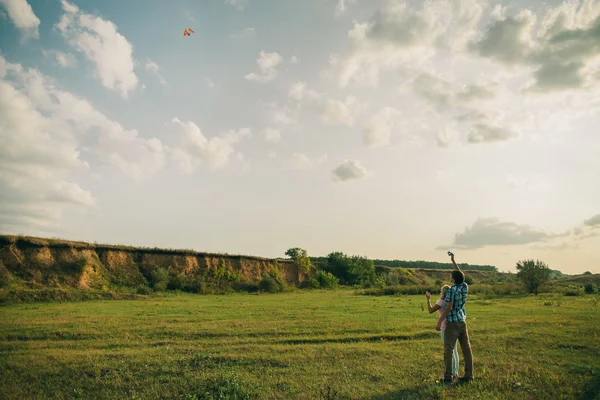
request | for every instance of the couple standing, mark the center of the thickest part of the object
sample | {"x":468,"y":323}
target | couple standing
{"x":453,"y":326}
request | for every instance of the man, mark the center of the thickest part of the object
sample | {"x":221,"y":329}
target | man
{"x":456,"y":327}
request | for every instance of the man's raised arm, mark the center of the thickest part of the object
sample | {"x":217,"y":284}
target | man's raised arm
{"x":454,"y":262}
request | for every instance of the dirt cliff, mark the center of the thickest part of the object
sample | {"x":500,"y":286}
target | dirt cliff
{"x":39,"y":262}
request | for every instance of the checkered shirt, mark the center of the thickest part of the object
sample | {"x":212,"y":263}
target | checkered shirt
{"x":457,"y":294}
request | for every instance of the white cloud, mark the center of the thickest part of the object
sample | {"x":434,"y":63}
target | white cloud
{"x":446,"y":137}
{"x":102,"y":44}
{"x":63,"y":59}
{"x":248,"y":32}
{"x":397,"y":35}
{"x":298,"y":91}
{"x":349,"y":170}
{"x":155,"y":69}
{"x":342,"y":6}
{"x":485,"y":133}
{"x":240,"y":5}
{"x":272,"y":135}
{"x":267,"y":64}
{"x":336,"y":112}
{"x":561,"y":46}
{"x":593,"y":221}
{"x":294,"y":60}
{"x":22,"y":15}
{"x":302,"y":162}
{"x":193,"y":149}
{"x":493,"y":232}
{"x":378,"y":129}
{"x":209,"y":82}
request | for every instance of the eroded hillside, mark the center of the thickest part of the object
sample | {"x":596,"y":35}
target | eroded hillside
{"x":57,"y":263}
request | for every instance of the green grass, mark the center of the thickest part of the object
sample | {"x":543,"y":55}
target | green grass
{"x":299,"y":345}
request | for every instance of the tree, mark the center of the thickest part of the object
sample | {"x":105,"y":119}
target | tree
{"x":300,"y":257}
{"x":533,"y":274}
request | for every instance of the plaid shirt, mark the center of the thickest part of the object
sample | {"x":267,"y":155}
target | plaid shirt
{"x":457,"y":294}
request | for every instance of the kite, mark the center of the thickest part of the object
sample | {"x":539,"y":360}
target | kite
{"x":188,"y":32}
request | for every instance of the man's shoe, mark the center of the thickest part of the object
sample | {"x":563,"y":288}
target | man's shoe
{"x":445,"y":381}
{"x":465,"y":379}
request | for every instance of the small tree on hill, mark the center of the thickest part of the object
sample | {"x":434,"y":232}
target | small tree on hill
{"x":300,"y":257}
{"x":533,"y":274}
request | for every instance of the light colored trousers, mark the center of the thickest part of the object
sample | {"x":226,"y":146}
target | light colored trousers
{"x":454,"y":358}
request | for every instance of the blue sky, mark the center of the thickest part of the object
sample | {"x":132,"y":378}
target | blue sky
{"x":380,"y":128}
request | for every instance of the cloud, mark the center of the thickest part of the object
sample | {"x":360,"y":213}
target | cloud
{"x":446,"y":136}
{"x":66,"y":60}
{"x":272,"y":135}
{"x":336,"y":112}
{"x":444,"y":95}
{"x":348,"y":170}
{"x":485,"y":133}
{"x":493,"y":232}
{"x":267,"y":64}
{"x":593,"y":221}
{"x":193,"y":149}
{"x":378,"y":129}
{"x":248,"y":32}
{"x":154,"y":68}
{"x":302,"y":162}
{"x":342,"y":6}
{"x":240,"y":5}
{"x":209,"y":82}
{"x":397,"y":35}
{"x":22,"y":15}
{"x":561,"y":47}
{"x":298,"y":91}
{"x":102,"y":44}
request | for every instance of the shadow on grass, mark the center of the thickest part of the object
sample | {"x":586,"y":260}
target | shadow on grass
{"x":425,"y":392}
{"x":373,"y":338}
{"x":591,"y":391}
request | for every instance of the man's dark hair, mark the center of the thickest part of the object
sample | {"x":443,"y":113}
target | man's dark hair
{"x":459,"y":277}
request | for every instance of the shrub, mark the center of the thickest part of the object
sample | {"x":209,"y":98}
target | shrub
{"x":159,"y":278}
{"x":143,"y":289}
{"x":326,"y":280}
{"x":312,"y":283}
{"x":571,"y":292}
{"x":468,"y":280}
{"x":176,"y":282}
{"x":438,"y":282}
{"x":270,"y":284}
{"x":588,"y":287}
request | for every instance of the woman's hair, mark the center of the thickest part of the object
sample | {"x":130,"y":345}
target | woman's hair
{"x":444,"y":291}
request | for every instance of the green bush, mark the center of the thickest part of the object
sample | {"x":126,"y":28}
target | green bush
{"x":438,"y":282}
{"x":143,"y":289}
{"x":326,"y":280}
{"x":270,"y":284}
{"x":588,"y":288}
{"x":159,"y":278}
{"x":176,"y":282}
{"x":468,"y":280}
{"x":312,"y":283}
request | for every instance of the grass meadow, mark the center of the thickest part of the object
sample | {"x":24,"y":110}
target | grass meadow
{"x":308,"y":344}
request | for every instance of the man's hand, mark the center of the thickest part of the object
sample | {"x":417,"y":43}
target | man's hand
{"x":428,"y":295}
{"x":438,"y":327}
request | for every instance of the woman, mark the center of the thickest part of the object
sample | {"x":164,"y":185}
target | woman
{"x":440,"y":306}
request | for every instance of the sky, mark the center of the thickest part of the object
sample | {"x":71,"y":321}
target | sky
{"x":386,"y":129}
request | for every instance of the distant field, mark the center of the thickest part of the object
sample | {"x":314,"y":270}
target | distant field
{"x":300,"y":345}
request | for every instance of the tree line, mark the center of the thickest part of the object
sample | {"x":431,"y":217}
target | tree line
{"x":417,"y":264}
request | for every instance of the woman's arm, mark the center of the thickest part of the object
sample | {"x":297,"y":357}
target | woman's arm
{"x":431,"y":309}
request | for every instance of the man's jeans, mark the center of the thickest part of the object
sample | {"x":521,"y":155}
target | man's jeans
{"x":454,"y":331}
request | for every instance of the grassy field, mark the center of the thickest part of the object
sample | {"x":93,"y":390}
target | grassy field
{"x":299,"y":345}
